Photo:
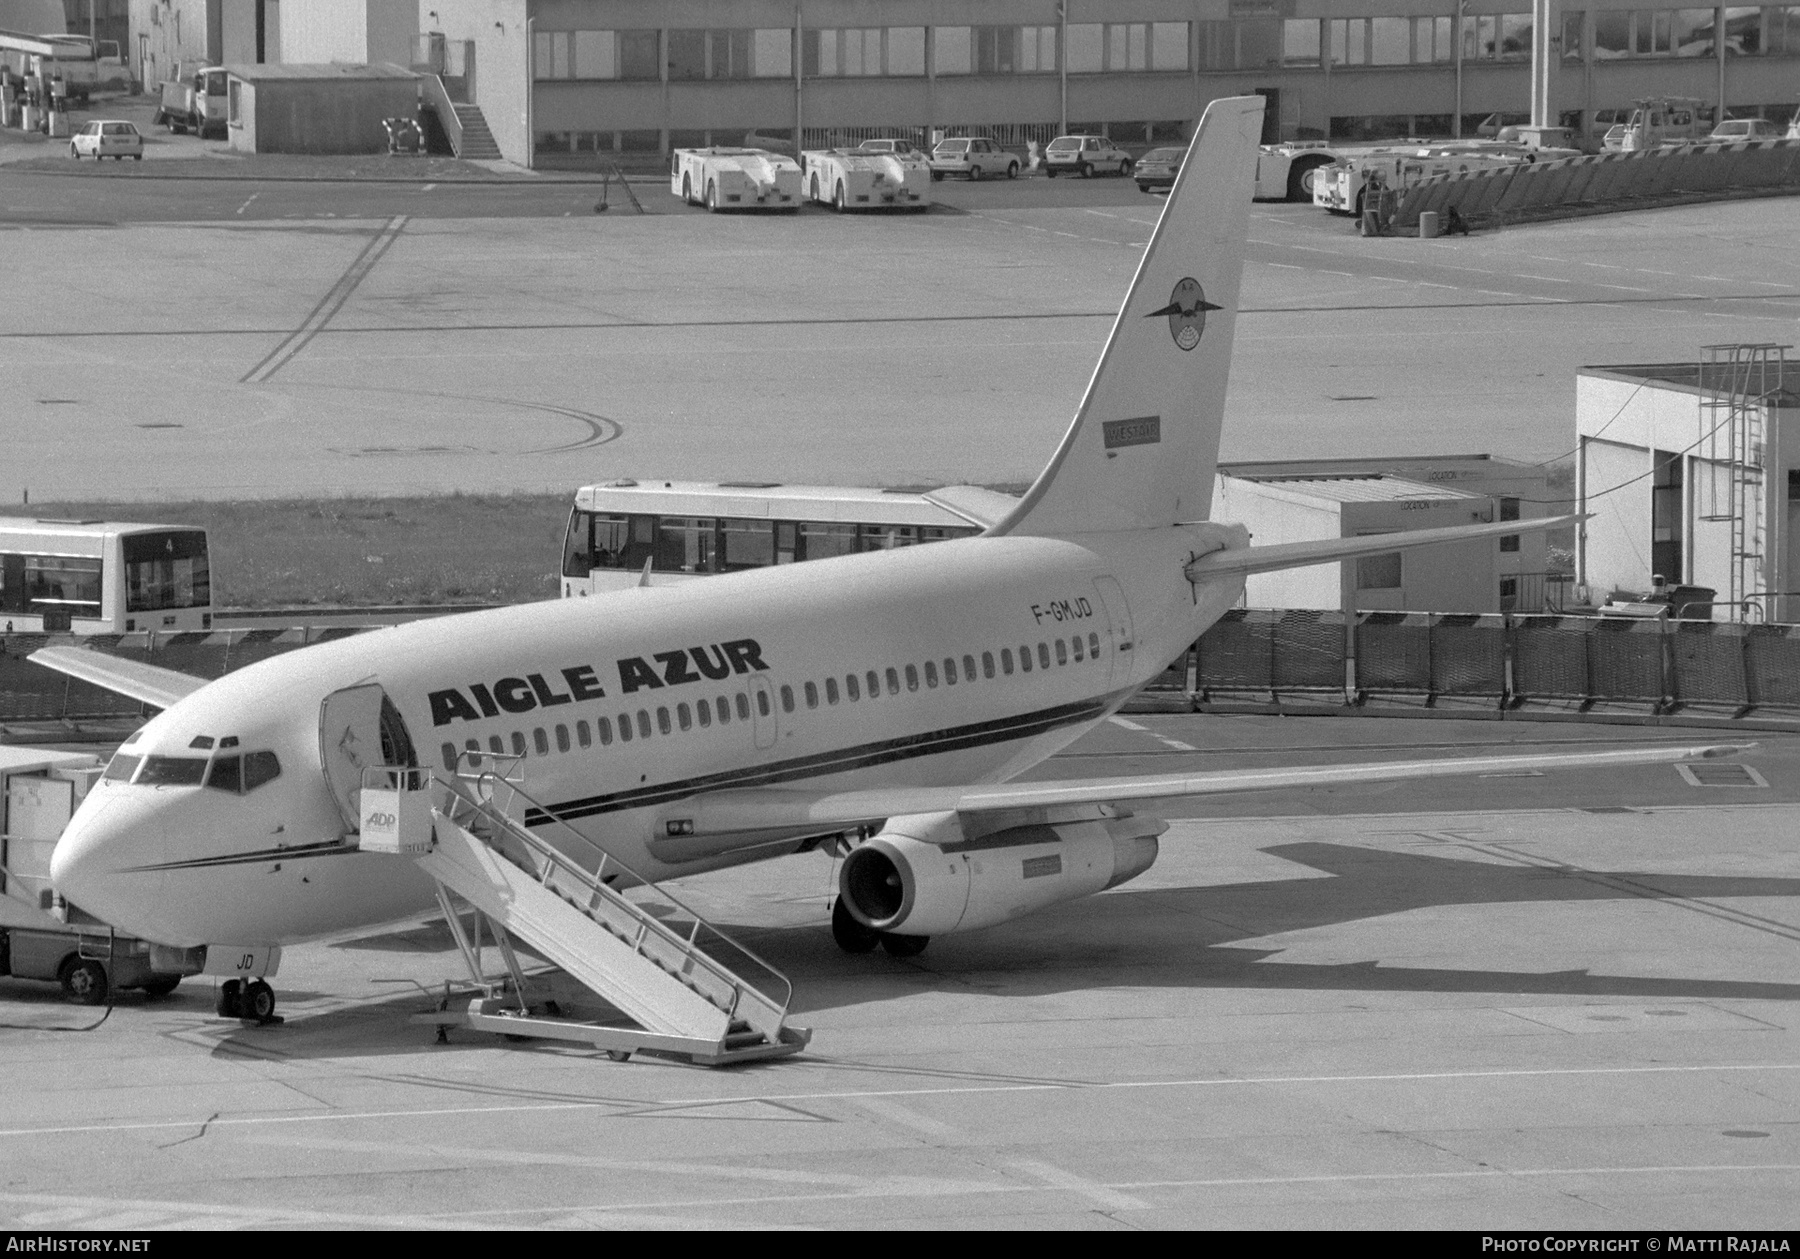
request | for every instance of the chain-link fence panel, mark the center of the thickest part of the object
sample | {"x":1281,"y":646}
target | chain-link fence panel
{"x":1393,"y":652}
{"x":1772,"y":665}
{"x":1468,"y":655}
{"x":1625,"y":659}
{"x":1238,"y":652}
{"x":1309,"y":651}
{"x":1707,"y":663}
{"x":1550,"y":657}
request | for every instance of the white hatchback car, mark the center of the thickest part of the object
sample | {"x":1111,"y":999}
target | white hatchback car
{"x":107,"y":138}
{"x":1085,"y":156}
{"x":974,"y":156}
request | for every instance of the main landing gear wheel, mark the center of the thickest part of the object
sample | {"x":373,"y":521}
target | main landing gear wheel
{"x":851,"y":935}
{"x":904,"y":946}
{"x":84,"y":980}
{"x":258,"y":1001}
{"x":230,"y":993}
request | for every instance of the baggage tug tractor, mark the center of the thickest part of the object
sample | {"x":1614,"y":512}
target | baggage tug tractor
{"x":735,"y":179}
{"x":857,"y":179}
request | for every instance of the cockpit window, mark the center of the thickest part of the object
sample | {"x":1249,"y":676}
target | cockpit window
{"x":227,"y":775}
{"x":239,"y":774}
{"x":172,"y":771}
{"x":259,"y":768}
{"x":121,"y":767}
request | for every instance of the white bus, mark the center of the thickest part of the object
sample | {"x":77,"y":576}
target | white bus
{"x":102,"y":577}
{"x":686,"y":529}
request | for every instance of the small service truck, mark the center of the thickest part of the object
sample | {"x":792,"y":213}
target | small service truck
{"x":867,"y":179}
{"x":40,"y":937}
{"x":735,"y":179}
{"x":194,"y":103}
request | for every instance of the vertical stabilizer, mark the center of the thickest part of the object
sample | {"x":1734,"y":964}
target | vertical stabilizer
{"x":1144,"y":446}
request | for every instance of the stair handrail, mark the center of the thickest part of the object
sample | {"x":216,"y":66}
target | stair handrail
{"x":594,"y":881}
{"x":433,"y":91}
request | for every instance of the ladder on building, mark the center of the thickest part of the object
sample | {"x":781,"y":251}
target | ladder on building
{"x":1737,"y":383}
{"x":649,"y":955}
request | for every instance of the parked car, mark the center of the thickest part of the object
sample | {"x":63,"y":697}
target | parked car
{"x":974,"y":156}
{"x":107,"y":137}
{"x":1158,"y":168}
{"x":898,"y":148}
{"x":1084,"y":156}
{"x":1746,"y":129}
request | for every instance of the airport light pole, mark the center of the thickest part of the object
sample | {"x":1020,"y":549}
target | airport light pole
{"x":1456,"y":43}
{"x":1062,"y":67}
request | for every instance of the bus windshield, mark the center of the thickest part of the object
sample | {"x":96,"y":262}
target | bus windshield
{"x":166,"y":570}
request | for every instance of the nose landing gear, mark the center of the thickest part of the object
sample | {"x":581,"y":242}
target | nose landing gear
{"x":252,"y":1001}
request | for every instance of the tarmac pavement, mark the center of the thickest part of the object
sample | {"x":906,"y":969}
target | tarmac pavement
{"x":1542,"y":1016}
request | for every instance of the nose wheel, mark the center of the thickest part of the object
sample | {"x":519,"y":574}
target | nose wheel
{"x":252,"y":1001}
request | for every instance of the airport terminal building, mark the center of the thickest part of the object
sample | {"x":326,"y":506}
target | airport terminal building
{"x":569,"y":82}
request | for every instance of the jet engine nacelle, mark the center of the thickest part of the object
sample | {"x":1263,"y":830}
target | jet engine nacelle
{"x":927,"y":875}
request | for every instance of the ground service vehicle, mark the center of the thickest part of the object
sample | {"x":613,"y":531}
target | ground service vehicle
{"x":102,"y":577}
{"x":39,"y":791}
{"x":1085,"y":156}
{"x":1289,"y":172}
{"x":1339,"y":189}
{"x":905,"y":148}
{"x":1655,"y":121}
{"x":735,"y":179}
{"x":852,"y":179}
{"x":688,"y":529}
{"x":194,"y":104}
{"x":107,"y":138}
{"x":974,"y":156}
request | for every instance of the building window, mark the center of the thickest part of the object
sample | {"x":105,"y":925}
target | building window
{"x":1300,"y":42}
{"x":1085,"y":50}
{"x":1390,"y":41}
{"x":687,"y":55}
{"x":950,"y":49}
{"x":1497,"y":37}
{"x":639,"y":55}
{"x":1168,"y":45}
{"x":1378,"y":572}
{"x":1037,"y":49}
{"x":996,"y":49}
{"x":1781,"y":32}
{"x":853,"y":51}
{"x":771,"y":53}
{"x":1509,"y":510}
{"x":235,"y":104}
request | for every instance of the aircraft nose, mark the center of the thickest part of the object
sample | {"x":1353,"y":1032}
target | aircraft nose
{"x":99,"y":866}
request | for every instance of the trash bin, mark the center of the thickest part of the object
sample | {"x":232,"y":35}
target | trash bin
{"x":1428,"y":224}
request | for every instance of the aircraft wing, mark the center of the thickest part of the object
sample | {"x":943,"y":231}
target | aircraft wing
{"x":754,"y":809}
{"x":1268,"y":559}
{"x":143,"y":682}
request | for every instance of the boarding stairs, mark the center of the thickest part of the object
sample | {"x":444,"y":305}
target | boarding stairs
{"x":647,"y":954}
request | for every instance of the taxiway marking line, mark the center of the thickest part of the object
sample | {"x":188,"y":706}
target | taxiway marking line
{"x":637,"y":1107}
{"x":253,"y":196}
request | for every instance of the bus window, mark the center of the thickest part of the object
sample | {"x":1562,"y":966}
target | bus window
{"x":746,"y":544}
{"x":888,"y":537}
{"x":684,"y":544}
{"x":820,"y":541}
{"x":578,"y":549}
{"x":166,"y":570}
{"x":786,"y":542}
{"x":56,"y":582}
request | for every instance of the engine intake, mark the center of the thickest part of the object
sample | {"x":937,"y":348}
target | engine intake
{"x":924,"y":875}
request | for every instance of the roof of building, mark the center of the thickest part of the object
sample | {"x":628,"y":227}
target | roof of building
{"x":328,"y":70}
{"x":1686,"y":377}
{"x":1364,"y":489}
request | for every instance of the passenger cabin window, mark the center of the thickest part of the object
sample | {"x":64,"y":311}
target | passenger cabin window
{"x":1094,"y":646}
{"x":893,"y":681}
{"x":684,"y":716}
{"x":518,"y":743}
{"x":1024,"y":658}
{"x":540,"y":741}
{"x":1075,"y":642}
{"x":1044,"y":655}
{"x":662,"y":720}
{"x":582,"y":736}
{"x":703,"y":710}
{"x":743,"y":706}
{"x":1006,"y":664}
{"x":448,"y":752}
{"x":625,"y":727}
{"x":912,"y":678}
{"x":812,"y":695}
{"x":931,"y":674}
{"x":874,"y":681}
{"x":831,"y":690}
{"x":850,"y":687}
{"x":724,"y":707}
{"x":787,"y":698}
{"x":643,"y":723}
{"x":762,"y":703}
{"x":987,"y":665}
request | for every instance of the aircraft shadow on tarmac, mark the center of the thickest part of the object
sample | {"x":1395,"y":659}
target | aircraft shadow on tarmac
{"x":1160,"y":937}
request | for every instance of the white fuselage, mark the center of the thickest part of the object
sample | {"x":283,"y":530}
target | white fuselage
{"x":765,"y":650}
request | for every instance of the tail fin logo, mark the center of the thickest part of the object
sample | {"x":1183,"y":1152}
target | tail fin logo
{"x":1187,"y":313}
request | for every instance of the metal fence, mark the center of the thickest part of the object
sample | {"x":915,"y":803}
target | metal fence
{"x":1545,"y":189}
{"x":1584,"y":660}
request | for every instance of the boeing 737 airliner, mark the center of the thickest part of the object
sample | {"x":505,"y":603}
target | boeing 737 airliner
{"x":887,"y":698}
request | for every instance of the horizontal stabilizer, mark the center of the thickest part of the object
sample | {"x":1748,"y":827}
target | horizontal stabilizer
{"x":1269,"y":559}
{"x":729,"y":812}
{"x":145,"y":683}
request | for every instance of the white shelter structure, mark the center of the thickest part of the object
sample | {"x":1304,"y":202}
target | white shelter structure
{"x":1691,"y":473}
